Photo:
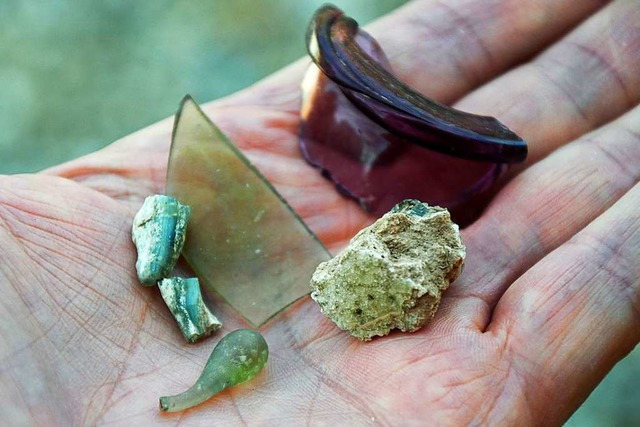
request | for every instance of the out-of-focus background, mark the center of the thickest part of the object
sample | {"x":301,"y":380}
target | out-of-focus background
{"x":75,"y":76}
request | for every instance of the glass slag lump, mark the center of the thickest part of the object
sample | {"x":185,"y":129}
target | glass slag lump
{"x":159,"y":230}
{"x":183,"y":297}
{"x":393,"y":273}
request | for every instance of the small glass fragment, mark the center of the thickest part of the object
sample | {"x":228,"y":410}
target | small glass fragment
{"x":238,"y":357}
{"x":244,"y":241}
{"x":184,"y":300}
{"x":393,"y":273}
{"x":158,"y":232}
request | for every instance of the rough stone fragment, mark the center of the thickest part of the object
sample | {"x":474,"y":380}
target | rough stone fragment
{"x":184,"y":300}
{"x":393,"y":273}
{"x":158,"y":232}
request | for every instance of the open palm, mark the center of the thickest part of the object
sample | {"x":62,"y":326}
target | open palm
{"x":549,"y":300}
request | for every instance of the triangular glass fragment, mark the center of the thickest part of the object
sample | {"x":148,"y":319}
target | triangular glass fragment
{"x":243,"y":240}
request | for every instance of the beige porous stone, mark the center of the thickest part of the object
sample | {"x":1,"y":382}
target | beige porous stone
{"x":393,"y":273}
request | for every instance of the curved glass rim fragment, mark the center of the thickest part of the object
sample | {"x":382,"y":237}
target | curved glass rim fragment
{"x":243,"y":241}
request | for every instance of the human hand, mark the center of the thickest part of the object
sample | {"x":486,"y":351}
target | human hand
{"x":548,"y":302}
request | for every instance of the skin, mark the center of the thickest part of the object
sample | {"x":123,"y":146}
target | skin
{"x":548,"y":302}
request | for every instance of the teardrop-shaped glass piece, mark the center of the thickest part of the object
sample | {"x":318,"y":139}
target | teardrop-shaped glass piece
{"x":243,"y":241}
{"x":237,"y":358}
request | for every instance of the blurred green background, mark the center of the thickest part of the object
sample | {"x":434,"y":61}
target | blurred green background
{"x":77,"y":75}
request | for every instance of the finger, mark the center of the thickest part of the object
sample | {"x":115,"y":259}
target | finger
{"x":577,"y":312}
{"x":141,"y":159}
{"x":449,"y":61}
{"x":445,"y":48}
{"x":583,"y":81}
{"x":545,"y":206}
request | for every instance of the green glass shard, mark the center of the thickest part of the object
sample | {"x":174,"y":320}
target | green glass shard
{"x":237,"y":358}
{"x":243,"y":241}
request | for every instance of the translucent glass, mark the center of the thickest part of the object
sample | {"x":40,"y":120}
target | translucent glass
{"x":243,"y":240}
